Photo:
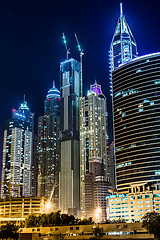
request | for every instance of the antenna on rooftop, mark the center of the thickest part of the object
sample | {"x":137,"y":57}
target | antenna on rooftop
{"x":24,"y":98}
{"x":65,"y":43}
{"x":81,"y":55}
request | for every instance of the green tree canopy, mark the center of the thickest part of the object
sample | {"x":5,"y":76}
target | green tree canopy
{"x":54,"y":219}
{"x":31,"y":220}
{"x":151,"y":221}
{"x":10,"y":230}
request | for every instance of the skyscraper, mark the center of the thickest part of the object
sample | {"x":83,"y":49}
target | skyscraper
{"x":17,"y":153}
{"x":69,"y":197}
{"x":136,"y":100}
{"x":123,"y":46}
{"x":92,"y":139}
{"x":49,"y":146}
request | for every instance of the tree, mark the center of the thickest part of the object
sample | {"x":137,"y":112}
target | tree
{"x":10,"y":230}
{"x":151,"y":221}
{"x":31,"y":221}
{"x":98,"y":233}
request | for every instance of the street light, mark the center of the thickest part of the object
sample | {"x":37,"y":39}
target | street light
{"x":48,"y":206}
{"x":97,"y":214}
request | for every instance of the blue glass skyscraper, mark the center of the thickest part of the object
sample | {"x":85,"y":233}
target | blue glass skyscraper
{"x":69,"y":176}
{"x":48,"y":146}
{"x":17,"y":153}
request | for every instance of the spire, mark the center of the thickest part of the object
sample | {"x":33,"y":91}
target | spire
{"x":24,"y":98}
{"x":121,"y":10}
{"x":53,"y":92}
{"x":123,"y":47}
{"x":121,"y":18}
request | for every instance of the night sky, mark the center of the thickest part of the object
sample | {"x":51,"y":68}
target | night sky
{"x":32,"y":47}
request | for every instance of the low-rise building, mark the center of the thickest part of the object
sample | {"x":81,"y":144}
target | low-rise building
{"x":108,"y":231}
{"x":17,"y":209}
{"x":132,"y":206}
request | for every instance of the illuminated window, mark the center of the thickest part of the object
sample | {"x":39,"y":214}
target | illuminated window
{"x":157,"y":82}
{"x":148,"y":210}
{"x":139,"y":197}
{"x":132,"y":197}
{"x":147,"y":196}
{"x":151,"y":103}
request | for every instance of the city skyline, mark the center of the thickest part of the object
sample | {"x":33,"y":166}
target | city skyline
{"x":32,"y":52}
{"x":75,"y":127}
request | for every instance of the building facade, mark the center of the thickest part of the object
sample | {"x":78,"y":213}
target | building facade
{"x":112,"y":231}
{"x":15,"y":210}
{"x":136,"y":101}
{"x":93,"y":137}
{"x":49,"y":147}
{"x":69,"y":197}
{"x":95,"y":190}
{"x":111,"y":164}
{"x":17,"y":153}
{"x":131,"y":207}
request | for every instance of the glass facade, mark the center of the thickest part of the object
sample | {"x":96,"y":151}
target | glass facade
{"x":49,"y":147}
{"x":17,"y":153}
{"x":69,"y":176}
{"x":136,"y":101}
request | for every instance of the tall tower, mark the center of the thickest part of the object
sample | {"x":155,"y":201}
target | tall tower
{"x":17,"y":153}
{"x":136,"y":100}
{"x":123,"y":46}
{"x":69,"y":197}
{"x":92,"y":137}
{"x":48,"y":146}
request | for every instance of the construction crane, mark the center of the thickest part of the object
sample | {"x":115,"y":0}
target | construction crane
{"x":65,"y":43}
{"x":52,"y":191}
{"x":81,"y":55}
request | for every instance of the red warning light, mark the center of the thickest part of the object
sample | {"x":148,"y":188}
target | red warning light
{"x":13,"y":110}
{"x":58,"y":99}
{"x":49,"y":99}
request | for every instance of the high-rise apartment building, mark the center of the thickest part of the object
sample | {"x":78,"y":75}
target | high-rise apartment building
{"x":69,"y":196}
{"x":49,"y":147}
{"x":136,"y":101}
{"x":17,"y":153}
{"x":95,"y":190}
{"x":92,"y":136}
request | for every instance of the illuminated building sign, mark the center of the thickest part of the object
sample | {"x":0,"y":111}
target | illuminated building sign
{"x":117,"y":196}
{"x":19,"y":115}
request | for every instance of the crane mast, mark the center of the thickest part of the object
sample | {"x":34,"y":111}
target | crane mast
{"x":81,"y":55}
{"x":65,"y":43}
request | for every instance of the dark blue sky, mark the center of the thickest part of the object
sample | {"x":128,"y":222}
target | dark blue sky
{"x":32,"y":48}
